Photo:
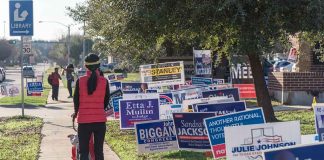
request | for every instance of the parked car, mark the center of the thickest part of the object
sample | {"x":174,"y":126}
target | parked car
{"x":28,"y":72}
{"x":283,"y":66}
{"x":2,"y":74}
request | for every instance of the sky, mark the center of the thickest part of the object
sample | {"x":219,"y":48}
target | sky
{"x":44,"y":10}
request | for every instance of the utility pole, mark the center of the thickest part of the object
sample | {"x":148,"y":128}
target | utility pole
{"x":84,"y":46}
{"x":69,"y":43}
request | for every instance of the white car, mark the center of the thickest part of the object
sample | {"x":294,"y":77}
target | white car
{"x":284,"y":66}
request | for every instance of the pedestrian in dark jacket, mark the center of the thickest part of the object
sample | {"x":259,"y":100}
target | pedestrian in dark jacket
{"x":91,"y":98}
{"x":55,"y":83}
{"x":69,"y":78}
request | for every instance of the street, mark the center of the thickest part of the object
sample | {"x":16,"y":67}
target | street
{"x":13,"y":74}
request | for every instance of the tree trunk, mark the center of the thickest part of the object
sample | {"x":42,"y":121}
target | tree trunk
{"x":262,"y":92}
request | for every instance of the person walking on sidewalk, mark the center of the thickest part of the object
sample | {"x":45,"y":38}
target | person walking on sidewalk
{"x":91,"y":98}
{"x":54,"y":80}
{"x":69,"y":77}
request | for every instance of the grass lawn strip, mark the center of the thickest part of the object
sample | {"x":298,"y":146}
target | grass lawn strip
{"x":124,"y":142}
{"x":20,"y":137}
{"x":32,"y":100}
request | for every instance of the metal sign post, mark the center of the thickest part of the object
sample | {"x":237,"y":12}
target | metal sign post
{"x":21,"y":24}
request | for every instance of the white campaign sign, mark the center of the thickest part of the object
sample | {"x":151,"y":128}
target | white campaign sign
{"x":248,"y":142}
{"x":166,"y":110}
{"x":210,"y":100}
{"x":141,"y":96}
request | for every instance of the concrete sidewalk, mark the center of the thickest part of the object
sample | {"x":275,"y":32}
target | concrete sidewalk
{"x":57,"y":126}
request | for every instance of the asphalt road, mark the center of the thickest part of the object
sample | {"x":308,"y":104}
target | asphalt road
{"x":13,"y":74}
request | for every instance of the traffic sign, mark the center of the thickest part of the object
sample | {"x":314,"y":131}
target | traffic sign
{"x":21,"y":17}
{"x":27,"y":45}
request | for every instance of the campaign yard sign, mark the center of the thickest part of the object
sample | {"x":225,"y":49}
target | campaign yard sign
{"x":246,"y":90}
{"x":201,"y":81}
{"x":191,"y":131}
{"x":190,"y":93}
{"x":298,"y":152}
{"x":202,"y":62}
{"x":155,"y":136}
{"x":190,"y":105}
{"x":215,"y":127}
{"x":133,"y":86}
{"x":34,"y":87}
{"x":137,"y":110}
{"x":115,"y":104}
{"x":319,"y":119}
{"x":131,"y":92}
{"x":163,"y":74}
{"x":166,"y":110}
{"x":141,"y":96}
{"x":254,"y":139}
{"x":218,"y":81}
{"x":166,"y":98}
{"x":222,"y":108}
{"x":151,"y":91}
{"x":112,"y":77}
{"x":115,"y":86}
{"x":231,"y":92}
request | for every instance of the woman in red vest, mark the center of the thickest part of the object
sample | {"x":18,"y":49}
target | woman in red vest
{"x":91,"y":98}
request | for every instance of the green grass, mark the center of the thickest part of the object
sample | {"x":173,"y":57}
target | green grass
{"x":253,"y":102}
{"x":124,"y":142}
{"x":31,"y":100}
{"x":20,"y":138}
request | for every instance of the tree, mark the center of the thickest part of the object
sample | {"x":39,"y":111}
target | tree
{"x":6,"y":50}
{"x":230,"y":27}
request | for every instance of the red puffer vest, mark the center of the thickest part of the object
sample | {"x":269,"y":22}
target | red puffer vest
{"x":91,"y":108}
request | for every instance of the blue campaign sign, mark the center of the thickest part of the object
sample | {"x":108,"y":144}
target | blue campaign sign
{"x":138,"y":110}
{"x":319,"y":121}
{"x":302,"y":152}
{"x":201,"y":80}
{"x":130,"y":92}
{"x":115,"y":84}
{"x":151,"y":91}
{"x":21,"y":17}
{"x":166,"y":98}
{"x":156,"y":136}
{"x":215,"y":127}
{"x":115,"y":104}
{"x":34,"y":87}
{"x":191,"y":131}
{"x":111,"y":77}
{"x":222,"y":108}
{"x":131,"y":86}
{"x":231,"y":92}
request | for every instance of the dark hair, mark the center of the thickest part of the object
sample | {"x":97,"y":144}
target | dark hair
{"x":70,"y":66}
{"x":90,"y":63}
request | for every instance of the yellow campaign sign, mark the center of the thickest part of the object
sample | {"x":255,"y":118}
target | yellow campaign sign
{"x":163,"y":71}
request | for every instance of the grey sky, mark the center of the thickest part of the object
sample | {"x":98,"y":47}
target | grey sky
{"x":45,"y":10}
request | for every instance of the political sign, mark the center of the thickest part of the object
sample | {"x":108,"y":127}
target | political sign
{"x":134,"y":86}
{"x":163,"y":74}
{"x":34,"y":87}
{"x":120,"y":76}
{"x":297,"y":152}
{"x":231,"y":92}
{"x":151,"y":91}
{"x":137,"y":110}
{"x":292,"y":57}
{"x":218,"y":81}
{"x":189,"y":105}
{"x":319,"y":120}
{"x":155,"y":136}
{"x":202,"y":62}
{"x":141,"y":96}
{"x":201,"y":81}
{"x":222,"y":108}
{"x":191,"y":131}
{"x":190,"y":93}
{"x":246,"y":90}
{"x":115,"y":86}
{"x":166,"y":110}
{"x":112,"y":77}
{"x":215,"y":127}
{"x":9,"y":90}
{"x":166,"y":98}
{"x":254,"y":139}
{"x":131,"y":92}
{"x":115,"y":104}
{"x":21,"y":17}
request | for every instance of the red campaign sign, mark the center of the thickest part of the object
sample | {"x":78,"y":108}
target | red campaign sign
{"x":246,"y":90}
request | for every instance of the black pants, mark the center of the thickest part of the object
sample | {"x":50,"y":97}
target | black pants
{"x":55,"y":91}
{"x":84,"y":132}
{"x":69,"y":87}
